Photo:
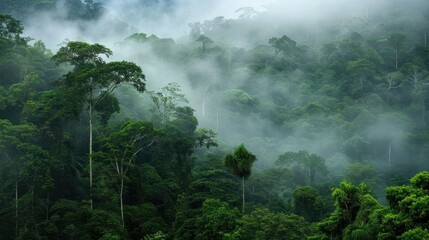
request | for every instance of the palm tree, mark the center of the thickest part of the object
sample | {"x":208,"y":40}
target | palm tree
{"x":240,"y":162}
{"x":205,"y":41}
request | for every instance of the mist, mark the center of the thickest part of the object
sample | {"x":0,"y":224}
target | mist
{"x":203,"y":80}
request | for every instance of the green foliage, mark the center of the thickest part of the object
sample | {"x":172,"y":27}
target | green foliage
{"x":409,"y":206}
{"x":415,"y":234}
{"x":353,"y":208}
{"x":240,"y":161}
{"x":340,"y":96}
{"x":307,"y":203}
{"x":155,"y":236}
{"x":421,"y":180}
{"x":238,"y":100}
{"x":215,"y":219}
{"x":213,"y":180}
{"x":205,"y":137}
{"x":306,"y":162}
{"x":204,"y":41}
{"x":166,"y":103}
{"x":11,"y":29}
{"x":360,"y":173}
{"x":263,"y":224}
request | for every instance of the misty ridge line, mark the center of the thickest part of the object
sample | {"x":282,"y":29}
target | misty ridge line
{"x":159,"y":119}
{"x":284,"y":17}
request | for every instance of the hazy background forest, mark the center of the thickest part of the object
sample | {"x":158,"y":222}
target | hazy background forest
{"x":170,"y":119}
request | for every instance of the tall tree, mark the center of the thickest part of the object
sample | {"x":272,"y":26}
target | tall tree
{"x":14,"y":142}
{"x":396,"y":41}
{"x":165,"y":103}
{"x":204,"y":40}
{"x":240,"y":162}
{"x":11,"y":29}
{"x":94,"y":80}
{"x":120,"y":149}
{"x":311,"y":163}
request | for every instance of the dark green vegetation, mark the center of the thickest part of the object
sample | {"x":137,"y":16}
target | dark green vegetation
{"x":333,"y":127}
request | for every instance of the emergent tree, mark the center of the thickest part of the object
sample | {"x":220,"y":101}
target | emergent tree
{"x":93,"y":80}
{"x":240,"y":162}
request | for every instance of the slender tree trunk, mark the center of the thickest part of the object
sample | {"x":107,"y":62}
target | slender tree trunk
{"x":390,"y":152}
{"x":16,"y":208}
{"x":122,"y":201}
{"x":90,"y":153}
{"x":243,"y":208}
{"x":217,"y":119}
{"x":312,"y":174}
{"x":229,"y":64}
{"x":396,"y":59}
{"x":356,"y":152}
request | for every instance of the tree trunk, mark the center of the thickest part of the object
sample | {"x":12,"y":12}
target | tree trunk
{"x":217,"y":119}
{"x":122,"y":201}
{"x":312,"y":174}
{"x":396,"y":59}
{"x":16,"y":208}
{"x":390,"y":152}
{"x":243,"y":207}
{"x":90,"y":153}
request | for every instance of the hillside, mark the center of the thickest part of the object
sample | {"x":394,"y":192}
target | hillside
{"x":289,"y":121}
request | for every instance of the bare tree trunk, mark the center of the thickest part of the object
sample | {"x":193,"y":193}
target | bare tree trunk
{"x":122,"y":201}
{"x":396,"y":59}
{"x":47,"y":206}
{"x":90,"y":153}
{"x":390,"y":152}
{"x":16,"y":208}
{"x":217,"y":119}
{"x":242,"y":211}
{"x":356,"y":152}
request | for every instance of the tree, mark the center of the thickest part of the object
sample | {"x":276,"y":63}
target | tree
{"x":262,"y":224}
{"x":205,"y":137}
{"x":215,"y":219}
{"x":396,"y":41}
{"x":409,"y":209}
{"x":12,"y":139}
{"x":11,"y":29}
{"x":360,"y":173}
{"x":204,"y":41}
{"x":238,"y":101}
{"x":352,"y":214}
{"x":311,"y":163}
{"x":120,"y":150}
{"x":284,"y":45}
{"x":165,"y":103}
{"x":240,"y":162}
{"x":95,"y":80}
{"x":307,"y":203}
